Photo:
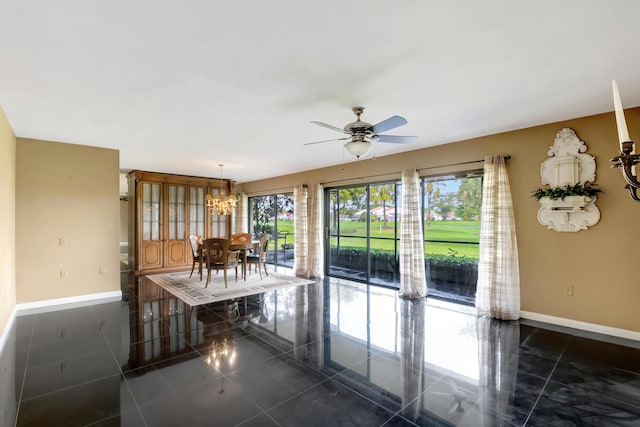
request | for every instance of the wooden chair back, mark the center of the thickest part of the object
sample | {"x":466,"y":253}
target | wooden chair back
{"x":264,"y":242}
{"x":195,"y":240}
{"x":216,"y":250}
{"x":217,"y":257}
{"x":260,"y":259}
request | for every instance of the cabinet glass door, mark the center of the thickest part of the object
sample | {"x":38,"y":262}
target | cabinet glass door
{"x":151,"y":242}
{"x":176,"y":248}
{"x":196,"y":211}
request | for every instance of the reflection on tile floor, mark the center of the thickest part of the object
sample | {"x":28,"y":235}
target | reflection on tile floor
{"x":327,"y":354}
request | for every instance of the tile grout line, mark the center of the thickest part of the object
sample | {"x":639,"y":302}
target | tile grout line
{"x":124,"y":378}
{"x":24,"y":375}
{"x":544,"y":387}
{"x":262,"y":410}
{"x":419,"y":396}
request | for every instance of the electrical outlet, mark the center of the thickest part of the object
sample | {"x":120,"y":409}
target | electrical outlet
{"x":64,"y":274}
{"x":101,"y":271}
{"x":568,"y":290}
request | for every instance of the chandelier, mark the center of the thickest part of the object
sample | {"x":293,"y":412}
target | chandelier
{"x":219,"y":204}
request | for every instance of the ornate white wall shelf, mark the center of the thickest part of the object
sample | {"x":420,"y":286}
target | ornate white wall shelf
{"x":568,"y":166}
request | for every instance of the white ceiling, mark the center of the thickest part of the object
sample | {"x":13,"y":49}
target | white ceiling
{"x":179,"y":87}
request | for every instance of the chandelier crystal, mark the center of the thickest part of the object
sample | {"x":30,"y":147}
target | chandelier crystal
{"x":221,"y":204}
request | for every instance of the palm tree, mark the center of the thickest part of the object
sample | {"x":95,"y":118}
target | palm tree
{"x":340,"y":199}
{"x":382,"y":194}
{"x":433,"y":192}
{"x":470,"y":196}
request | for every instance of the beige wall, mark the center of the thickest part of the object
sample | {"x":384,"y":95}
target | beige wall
{"x":7,"y":221}
{"x":66,"y":193}
{"x":601,"y":263}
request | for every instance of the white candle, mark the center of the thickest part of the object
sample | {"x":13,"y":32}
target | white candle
{"x":623,"y":133}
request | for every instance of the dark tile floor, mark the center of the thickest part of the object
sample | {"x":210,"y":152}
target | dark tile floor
{"x":335,"y":353}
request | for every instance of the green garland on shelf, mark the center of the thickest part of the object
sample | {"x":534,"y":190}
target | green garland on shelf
{"x":559,"y":193}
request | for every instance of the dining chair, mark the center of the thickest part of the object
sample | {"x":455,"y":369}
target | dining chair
{"x":237,"y":238}
{"x":196,"y":241}
{"x":259,"y":260}
{"x":218,"y":257}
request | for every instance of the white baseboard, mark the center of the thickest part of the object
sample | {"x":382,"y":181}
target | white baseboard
{"x":584,"y":326}
{"x":7,"y":330}
{"x":54,"y":305}
{"x":68,"y":302}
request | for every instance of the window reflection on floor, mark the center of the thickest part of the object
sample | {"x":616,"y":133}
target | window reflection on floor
{"x":362,"y":313}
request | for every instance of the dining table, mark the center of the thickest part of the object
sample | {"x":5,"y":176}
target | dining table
{"x":245,"y":247}
{"x":236,"y":245}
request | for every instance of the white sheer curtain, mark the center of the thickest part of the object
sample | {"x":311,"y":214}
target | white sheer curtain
{"x":413,"y":282}
{"x":498,"y":290}
{"x":241,"y":217}
{"x":300,"y":230}
{"x":315,"y":253}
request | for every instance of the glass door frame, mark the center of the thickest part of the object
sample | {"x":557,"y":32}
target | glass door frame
{"x":369,"y":276}
{"x":277,"y":237}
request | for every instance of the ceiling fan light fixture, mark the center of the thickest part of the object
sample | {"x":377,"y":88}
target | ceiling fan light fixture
{"x":362,"y":135}
{"x":358,"y":149}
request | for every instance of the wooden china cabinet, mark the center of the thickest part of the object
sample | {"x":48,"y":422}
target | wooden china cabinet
{"x":164,"y":210}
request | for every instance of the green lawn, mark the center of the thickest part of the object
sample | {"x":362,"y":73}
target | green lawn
{"x":458,"y":231}
{"x":352,"y":234}
{"x":457,"y":249}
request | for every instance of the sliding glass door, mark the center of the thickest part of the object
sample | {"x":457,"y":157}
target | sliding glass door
{"x":273,"y":215}
{"x":452,"y":235}
{"x":363,"y":232}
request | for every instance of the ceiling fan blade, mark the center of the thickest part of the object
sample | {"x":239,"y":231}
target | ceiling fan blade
{"x":327,"y":140}
{"x":390,"y":123}
{"x":397,"y":139}
{"x":330,"y":127}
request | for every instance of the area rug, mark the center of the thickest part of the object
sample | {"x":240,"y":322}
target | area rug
{"x":192,"y":290}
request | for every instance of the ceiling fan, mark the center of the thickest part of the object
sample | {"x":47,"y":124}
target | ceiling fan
{"x":362,"y":135}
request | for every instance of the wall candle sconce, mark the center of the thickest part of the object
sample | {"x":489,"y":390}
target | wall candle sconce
{"x":626,"y":160}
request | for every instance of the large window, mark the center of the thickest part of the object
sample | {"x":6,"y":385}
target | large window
{"x":273,"y":215}
{"x":452,"y":234}
{"x":364,"y":225}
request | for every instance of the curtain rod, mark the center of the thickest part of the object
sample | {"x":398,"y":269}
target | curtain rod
{"x":505,"y":156}
{"x":272,"y":191}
